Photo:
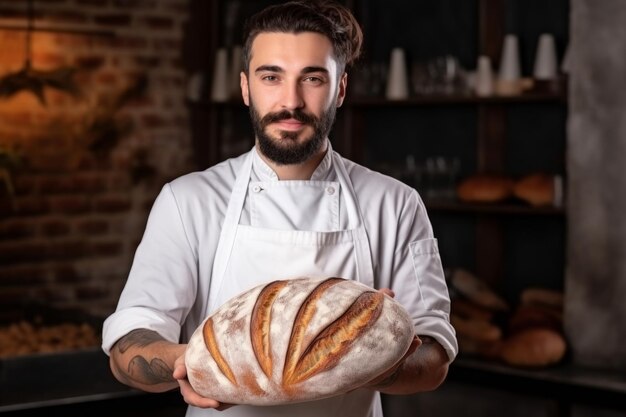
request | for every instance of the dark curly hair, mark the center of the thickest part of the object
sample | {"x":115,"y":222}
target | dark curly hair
{"x":320,"y":16}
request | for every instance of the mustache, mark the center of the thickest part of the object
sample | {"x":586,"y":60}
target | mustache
{"x":297,"y":114}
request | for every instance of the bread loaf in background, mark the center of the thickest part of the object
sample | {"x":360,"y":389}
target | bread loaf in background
{"x":485,"y":188}
{"x":528,"y":334}
{"x":536,"y":189}
{"x":297,"y":340}
{"x":476,"y":290}
{"x":479,"y":330}
{"x":533,"y":316}
{"x":543,"y":297}
{"x":534,"y":347}
{"x":535,"y":330}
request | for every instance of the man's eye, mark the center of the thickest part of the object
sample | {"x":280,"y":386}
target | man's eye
{"x":314,"y":80}
{"x":270,"y":78}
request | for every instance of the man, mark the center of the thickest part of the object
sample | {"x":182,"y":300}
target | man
{"x":290,"y":207}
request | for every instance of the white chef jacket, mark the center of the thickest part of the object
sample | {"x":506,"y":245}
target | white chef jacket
{"x":168,"y":286}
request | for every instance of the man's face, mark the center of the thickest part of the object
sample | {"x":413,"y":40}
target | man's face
{"x":293,"y":91}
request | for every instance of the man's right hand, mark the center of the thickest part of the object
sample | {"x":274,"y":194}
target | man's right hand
{"x":190,"y":396}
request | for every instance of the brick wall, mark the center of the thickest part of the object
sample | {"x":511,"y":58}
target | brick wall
{"x":87,"y":167}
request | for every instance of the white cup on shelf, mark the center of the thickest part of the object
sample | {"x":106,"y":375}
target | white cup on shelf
{"x":196,"y":86}
{"x":398,"y":79}
{"x":236,"y":66}
{"x":509,"y":75}
{"x":220,"y":91}
{"x":545,"y":67}
{"x":483,"y":83}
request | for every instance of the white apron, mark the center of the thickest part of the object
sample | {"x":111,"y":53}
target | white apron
{"x":247,"y":256}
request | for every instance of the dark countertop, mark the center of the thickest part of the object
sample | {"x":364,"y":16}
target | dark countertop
{"x":77,"y":379}
{"x":567,"y":383}
{"x":80,"y":383}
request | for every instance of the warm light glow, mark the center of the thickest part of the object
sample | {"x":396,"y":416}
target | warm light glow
{"x":12,"y":51}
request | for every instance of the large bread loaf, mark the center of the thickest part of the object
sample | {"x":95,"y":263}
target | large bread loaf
{"x":297,"y":340}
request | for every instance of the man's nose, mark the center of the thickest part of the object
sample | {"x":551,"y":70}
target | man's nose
{"x":292,"y":96}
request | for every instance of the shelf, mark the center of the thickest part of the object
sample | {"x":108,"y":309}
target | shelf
{"x":567,"y":382}
{"x":359,"y":101}
{"x":489,"y":208}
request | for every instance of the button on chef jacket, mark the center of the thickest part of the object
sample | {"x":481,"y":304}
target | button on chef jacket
{"x":178,"y":277}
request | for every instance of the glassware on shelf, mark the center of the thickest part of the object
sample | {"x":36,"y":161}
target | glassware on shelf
{"x":440,"y":177}
{"x":412,"y":173}
{"x":368,"y":79}
{"x":439,"y":76}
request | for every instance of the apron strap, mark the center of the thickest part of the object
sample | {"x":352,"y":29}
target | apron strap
{"x":363,"y":251}
{"x":229,"y":228}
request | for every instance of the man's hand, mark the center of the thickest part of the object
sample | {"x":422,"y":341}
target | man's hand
{"x":190,"y":396}
{"x":388,"y":377}
{"x":423,"y":367}
{"x":387,"y":291}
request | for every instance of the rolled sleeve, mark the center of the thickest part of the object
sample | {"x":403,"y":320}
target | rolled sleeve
{"x":126,"y":320}
{"x":162,"y":283}
{"x":432,"y":315}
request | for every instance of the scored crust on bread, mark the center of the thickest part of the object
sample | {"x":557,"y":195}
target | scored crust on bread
{"x":260,"y":325}
{"x":305,"y":313}
{"x":324,"y":352}
{"x":297,"y":340}
{"x":209,"y":340}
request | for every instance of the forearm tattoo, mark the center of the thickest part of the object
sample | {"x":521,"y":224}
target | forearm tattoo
{"x":146,"y":372}
{"x":155,"y":372}
{"x":139,"y":337}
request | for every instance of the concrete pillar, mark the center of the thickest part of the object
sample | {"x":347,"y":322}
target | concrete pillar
{"x":595,"y":315}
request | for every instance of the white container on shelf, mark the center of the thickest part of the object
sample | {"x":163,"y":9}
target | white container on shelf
{"x":509,"y":75}
{"x":236,"y":66}
{"x":545,"y":67}
{"x":196,"y":86}
{"x":397,"y":80}
{"x":220,"y":90}
{"x":483,"y":83}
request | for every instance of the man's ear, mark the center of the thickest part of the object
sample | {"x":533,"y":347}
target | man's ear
{"x":245,"y":91}
{"x":343,"y":85}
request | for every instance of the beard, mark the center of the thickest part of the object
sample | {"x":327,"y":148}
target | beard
{"x":287,"y":150}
